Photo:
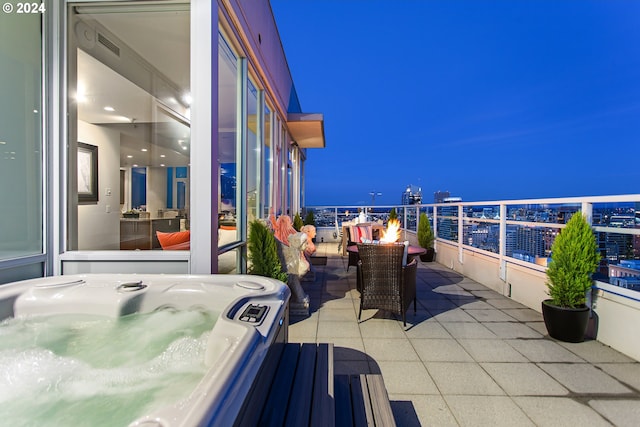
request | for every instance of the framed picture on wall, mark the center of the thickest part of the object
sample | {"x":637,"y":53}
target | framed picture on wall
{"x":87,"y":173}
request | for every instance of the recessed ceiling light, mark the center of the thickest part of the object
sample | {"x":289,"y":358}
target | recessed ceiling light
{"x":135,"y":165}
{"x":144,"y":149}
{"x":107,"y":108}
{"x":161,"y":164}
{"x":163,"y":156}
{"x":129,"y":156}
{"x":184,"y":148}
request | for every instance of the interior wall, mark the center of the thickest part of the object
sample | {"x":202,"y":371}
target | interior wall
{"x":156,"y":190}
{"x":99,"y":223}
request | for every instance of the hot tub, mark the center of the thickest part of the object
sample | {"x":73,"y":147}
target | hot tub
{"x":57,"y":322}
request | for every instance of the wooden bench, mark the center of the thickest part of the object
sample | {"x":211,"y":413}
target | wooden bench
{"x":362,"y":400}
{"x":295,"y":387}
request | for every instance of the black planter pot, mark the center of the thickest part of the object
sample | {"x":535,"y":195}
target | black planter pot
{"x":429,"y":256}
{"x":565,"y":324}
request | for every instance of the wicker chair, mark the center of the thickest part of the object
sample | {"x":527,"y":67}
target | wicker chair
{"x":385,"y":283}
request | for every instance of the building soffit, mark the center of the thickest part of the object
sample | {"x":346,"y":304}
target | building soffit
{"x":307,"y":130}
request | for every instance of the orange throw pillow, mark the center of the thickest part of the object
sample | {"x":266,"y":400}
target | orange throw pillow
{"x":178,"y":240}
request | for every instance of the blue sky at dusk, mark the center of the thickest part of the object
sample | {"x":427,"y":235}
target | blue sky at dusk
{"x":490,"y":100}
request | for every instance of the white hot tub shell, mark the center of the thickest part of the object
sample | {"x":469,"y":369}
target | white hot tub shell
{"x":252,"y":316}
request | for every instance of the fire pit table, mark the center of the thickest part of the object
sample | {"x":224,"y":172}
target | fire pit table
{"x":412,"y":252}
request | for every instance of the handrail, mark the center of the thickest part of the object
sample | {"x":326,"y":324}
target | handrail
{"x":616,"y":290}
{"x":552,"y":211}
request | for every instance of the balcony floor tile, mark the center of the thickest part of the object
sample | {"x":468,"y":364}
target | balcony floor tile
{"x":622,"y":413}
{"x":524,"y":379}
{"x":498,"y":411}
{"x":491,"y":350}
{"x":559,"y":411}
{"x":584,"y":378}
{"x":469,"y":356}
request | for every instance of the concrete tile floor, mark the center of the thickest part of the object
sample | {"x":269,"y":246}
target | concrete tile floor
{"x":469,"y":356}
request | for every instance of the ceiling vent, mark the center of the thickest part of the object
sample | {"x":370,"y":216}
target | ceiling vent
{"x":109,"y":44}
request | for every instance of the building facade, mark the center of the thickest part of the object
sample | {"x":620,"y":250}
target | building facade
{"x":124,"y":120}
{"x":412,"y":195}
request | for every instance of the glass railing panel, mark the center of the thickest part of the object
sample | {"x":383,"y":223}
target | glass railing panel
{"x":483,"y":212}
{"x":411,"y":215}
{"x":448,"y":222}
{"x":428,"y":210}
{"x":618,"y":247}
{"x":482,"y":234}
{"x":616,"y":215}
{"x":530,"y":243}
{"x":348,"y":213}
{"x":380,"y":213}
{"x":323,"y":216}
{"x":546,"y":213}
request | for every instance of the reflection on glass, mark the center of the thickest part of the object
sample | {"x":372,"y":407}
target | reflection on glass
{"x":268,"y":162}
{"x":136,"y":111}
{"x":253,"y":154}
{"x":20,"y":136}
{"x":227,"y":141}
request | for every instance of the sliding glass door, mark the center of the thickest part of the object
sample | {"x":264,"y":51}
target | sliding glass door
{"x":129,"y":129}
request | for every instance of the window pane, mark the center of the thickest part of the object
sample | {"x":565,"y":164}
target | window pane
{"x":131,"y":99}
{"x":20,"y":136}
{"x":253,"y":153}
{"x":227,"y":139}
{"x":268,"y":162}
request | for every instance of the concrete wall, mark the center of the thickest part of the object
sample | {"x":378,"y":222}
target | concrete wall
{"x":616,"y":322}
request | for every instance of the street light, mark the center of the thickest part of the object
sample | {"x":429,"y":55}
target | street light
{"x":373,"y":195}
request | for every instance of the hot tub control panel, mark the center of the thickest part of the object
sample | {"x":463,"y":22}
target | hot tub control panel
{"x":254,"y":313}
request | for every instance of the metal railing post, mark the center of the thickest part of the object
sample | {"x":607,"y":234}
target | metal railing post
{"x":502,"y":251}
{"x":460,"y":232}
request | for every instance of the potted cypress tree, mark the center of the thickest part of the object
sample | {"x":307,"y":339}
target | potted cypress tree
{"x":309,"y":219}
{"x":574,"y":258}
{"x":425,"y":238}
{"x":297,"y":222}
{"x":263,"y":253}
{"x":393,"y":214}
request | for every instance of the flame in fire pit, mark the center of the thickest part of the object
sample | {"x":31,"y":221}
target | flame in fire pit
{"x":392,"y":233}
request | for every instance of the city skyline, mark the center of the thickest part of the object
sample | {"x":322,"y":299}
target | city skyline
{"x":488,"y":100}
{"x":529,"y":233}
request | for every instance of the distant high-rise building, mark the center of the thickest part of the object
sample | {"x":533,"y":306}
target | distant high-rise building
{"x":439,"y":196}
{"x":530,"y":241}
{"x":412,"y":195}
{"x":448,"y":223}
{"x":626,"y":274}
